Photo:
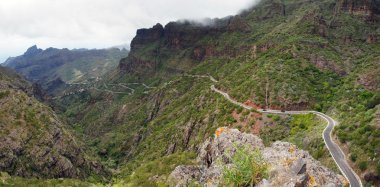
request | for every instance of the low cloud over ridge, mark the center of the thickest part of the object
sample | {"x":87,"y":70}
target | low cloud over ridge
{"x":95,"y":23}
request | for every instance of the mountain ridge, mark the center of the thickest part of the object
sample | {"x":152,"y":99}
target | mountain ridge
{"x":253,"y":65}
{"x":285,"y":55}
{"x":34,"y":141}
{"x":50,"y":66}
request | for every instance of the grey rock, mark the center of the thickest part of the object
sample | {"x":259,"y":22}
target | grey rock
{"x":289,"y":166}
{"x":299,"y":167}
{"x":184,"y":175}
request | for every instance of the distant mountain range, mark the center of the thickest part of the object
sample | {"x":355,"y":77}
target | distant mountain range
{"x":51,"y":66}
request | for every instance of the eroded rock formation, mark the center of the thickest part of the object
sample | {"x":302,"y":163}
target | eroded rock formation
{"x":289,"y":166}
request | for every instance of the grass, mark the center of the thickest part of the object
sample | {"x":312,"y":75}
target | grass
{"x":247,"y":168}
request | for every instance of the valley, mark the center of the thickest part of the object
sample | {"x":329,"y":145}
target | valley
{"x":297,"y":82}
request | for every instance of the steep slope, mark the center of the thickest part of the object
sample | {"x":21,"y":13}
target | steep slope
{"x":33,"y":141}
{"x":248,"y":45}
{"x":53,"y":68}
{"x":320,"y":55}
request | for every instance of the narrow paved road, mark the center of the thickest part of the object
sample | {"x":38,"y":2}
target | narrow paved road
{"x":334,"y":149}
{"x":124,"y":85}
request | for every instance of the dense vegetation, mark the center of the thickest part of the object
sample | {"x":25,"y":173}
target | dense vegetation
{"x":322,"y":62}
{"x":281,"y":54}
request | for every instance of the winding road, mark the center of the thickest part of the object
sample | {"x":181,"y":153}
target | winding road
{"x":335,"y":151}
{"x":106,"y":89}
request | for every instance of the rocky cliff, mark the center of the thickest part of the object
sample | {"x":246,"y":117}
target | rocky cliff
{"x":33,"y":141}
{"x":369,"y":8}
{"x":289,"y":166}
{"x":158,"y":44}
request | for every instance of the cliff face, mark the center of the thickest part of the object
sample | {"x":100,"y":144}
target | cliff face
{"x":146,"y":36}
{"x":152,"y":47}
{"x":368,"y":8}
{"x":182,"y":34}
{"x":196,"y":40}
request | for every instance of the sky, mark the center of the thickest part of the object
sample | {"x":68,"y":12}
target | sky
{"x":95,"y":23}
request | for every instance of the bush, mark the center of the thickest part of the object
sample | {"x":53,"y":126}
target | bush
{"x":248,"y":168}
{"x":239,"y":110}
{"x":353,"y":157}
{"x":363,"y":165}
{"x":276,"y":118}
{"x":246,"y":112}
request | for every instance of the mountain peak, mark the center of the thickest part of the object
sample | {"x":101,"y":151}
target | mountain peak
{"x":32,"y":51}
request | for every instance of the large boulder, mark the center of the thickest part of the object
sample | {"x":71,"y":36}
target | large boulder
{"x":289,"y":166}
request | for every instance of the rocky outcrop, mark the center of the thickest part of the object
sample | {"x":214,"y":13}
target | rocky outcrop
{"x":32,"y":51}
{"x":367,"y":8}
{"x":55,"y":85}
{"x":324,"y":64}
{"x":157,"y":41}
{"x":146,"y":36}
{"x":370,"y":79}
{"x":237,"y":23}
{"x":289,"y":166}
{"x":135,"y":64}
{"x":39,"y":93}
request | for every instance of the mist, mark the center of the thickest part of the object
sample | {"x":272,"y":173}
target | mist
{"x":97,"y":23}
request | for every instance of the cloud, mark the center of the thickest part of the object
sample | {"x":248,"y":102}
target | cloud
{"x":95,"y":23}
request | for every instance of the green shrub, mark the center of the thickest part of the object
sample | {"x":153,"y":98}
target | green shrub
{"x":248,"y":168}
{"x":363,"y":165}
{"x":239,"y":110}
{"x":246,"y":112}
{"x":276,"y":118}
{"x":353,"y":157}
{"x":4,"y":94}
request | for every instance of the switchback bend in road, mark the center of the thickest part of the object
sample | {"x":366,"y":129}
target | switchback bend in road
{"x":335,"y":151}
